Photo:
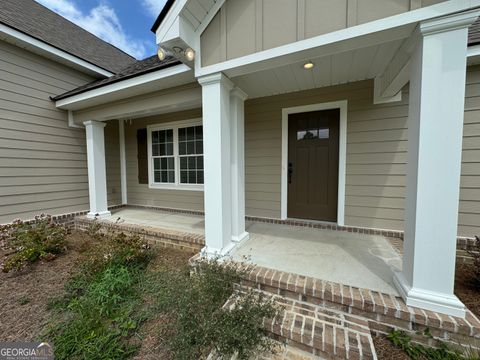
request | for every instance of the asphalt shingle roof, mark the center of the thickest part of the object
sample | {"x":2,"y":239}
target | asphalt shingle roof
{"x":35,"y":20}
{"x":138,"y":68}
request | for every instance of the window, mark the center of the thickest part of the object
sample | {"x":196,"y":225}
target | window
{"x":176,"y":155}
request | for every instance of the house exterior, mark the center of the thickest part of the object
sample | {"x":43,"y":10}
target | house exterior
{"x":359,"y":113}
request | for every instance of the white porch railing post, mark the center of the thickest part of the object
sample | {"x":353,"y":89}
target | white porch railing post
{"x":237,"y":106}
{"x":97,"y":177}
{"x":436,"y":111}
{"x":216,"y":139}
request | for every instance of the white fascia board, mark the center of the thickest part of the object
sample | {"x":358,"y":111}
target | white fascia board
{"x":169,"y":20}
{"x":473,"y":51}
{"x":122,"y":85}
{"x":9,"y":32}
{"x":381,"y":30}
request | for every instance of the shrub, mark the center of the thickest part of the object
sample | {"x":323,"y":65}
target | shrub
{"x":417,"y":351}
{"x":199,"y":322}
{"x":29,"y":242}
{"x":475,"y":254}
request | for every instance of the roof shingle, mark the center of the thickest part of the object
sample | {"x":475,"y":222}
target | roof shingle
{"x":35,"y":20}
{"x":138,"y":68}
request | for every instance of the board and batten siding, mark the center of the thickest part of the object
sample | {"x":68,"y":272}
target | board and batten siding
{"x":376,"y":155}
{"x":43,"y":162}
{"x":141,"y":194}
{"x":243,"y":27}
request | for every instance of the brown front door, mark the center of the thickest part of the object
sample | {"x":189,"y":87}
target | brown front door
{"x":313,"y":165}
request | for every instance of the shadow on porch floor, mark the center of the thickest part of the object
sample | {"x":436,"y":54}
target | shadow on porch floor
{"x":361,"y":260}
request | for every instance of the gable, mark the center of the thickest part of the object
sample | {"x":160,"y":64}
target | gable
{"x":243,"y":27}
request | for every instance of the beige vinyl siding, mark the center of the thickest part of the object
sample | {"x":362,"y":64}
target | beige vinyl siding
{"x":43,"y":164}
{"x":469,"y":213}
{"x":141,"y":194}
{"x":376,"y":155}
{"x":243,"y":27}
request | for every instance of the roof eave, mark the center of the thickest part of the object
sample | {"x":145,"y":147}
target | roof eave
{"x":33,"y":43}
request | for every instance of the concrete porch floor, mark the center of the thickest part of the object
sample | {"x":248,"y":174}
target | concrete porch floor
{"x":360,"y":260}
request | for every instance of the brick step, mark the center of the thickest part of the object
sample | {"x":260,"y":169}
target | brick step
{"x":384,"y":312}
{"x":322,"y":332}
{"x":281,"y":352}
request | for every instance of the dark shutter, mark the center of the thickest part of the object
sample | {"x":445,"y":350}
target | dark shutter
{"x":142,"y":156}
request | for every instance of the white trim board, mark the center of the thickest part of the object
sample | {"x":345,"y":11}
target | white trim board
{"x":342,"y":153}
{"x":54,"y":52}
{"x":127,"y":84}
{"x":175,"y":125}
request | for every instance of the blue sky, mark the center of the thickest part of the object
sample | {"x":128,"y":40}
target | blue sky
{"x":123,"y":23}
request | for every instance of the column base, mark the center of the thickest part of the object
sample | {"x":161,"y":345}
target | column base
{"x":447,"y":304}
{"x":100,"y":215}
{"x":241,"y":238}
{"x":217,"y":254}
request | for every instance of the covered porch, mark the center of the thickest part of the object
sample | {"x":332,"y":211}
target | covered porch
{"x":354,"y":259}
{"x":239,"y":114}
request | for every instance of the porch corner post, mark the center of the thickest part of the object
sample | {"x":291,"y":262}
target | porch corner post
{"x":435,"y":130}
{"x":237,"y":106}
{"x":97,"y":177}
{"x":217,"y":185}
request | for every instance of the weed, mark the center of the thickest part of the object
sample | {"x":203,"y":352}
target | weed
{"x":29,"y":242}
{"x":417,"y":351}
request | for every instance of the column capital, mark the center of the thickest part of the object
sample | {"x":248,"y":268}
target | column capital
{"x":217,"y":78}
{"x":94,"y":123}
{"x":239,"y":93}
{"x":450,"y":22}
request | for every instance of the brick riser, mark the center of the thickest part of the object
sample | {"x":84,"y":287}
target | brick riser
{"x":165,"y":238}
{"x":383,"y":312}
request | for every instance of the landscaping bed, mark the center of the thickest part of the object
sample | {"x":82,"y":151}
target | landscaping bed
{"x":98,"y":295}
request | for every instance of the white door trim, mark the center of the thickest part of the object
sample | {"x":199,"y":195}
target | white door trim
{"x":342,"y":153}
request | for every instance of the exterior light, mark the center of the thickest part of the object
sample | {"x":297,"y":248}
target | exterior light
{"x":308,"y":65}
{"x":161,"y":54}
{"x":189,"y":54}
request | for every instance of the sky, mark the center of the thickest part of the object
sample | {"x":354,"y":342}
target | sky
{"x":123,"y":23}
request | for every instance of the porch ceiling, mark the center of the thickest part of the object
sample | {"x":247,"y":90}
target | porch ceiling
{"x":350,"y":66}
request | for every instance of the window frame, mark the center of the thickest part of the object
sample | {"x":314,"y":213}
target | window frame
{"x":177,"y":185}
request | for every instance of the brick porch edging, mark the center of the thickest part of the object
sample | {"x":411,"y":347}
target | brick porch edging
{"x":463,"y":243}
{"x":166,"y":238}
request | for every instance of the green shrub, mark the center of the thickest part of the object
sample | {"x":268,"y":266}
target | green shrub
{"x":199,"y":323}
{"x":475,"y":253}
{"x":417,"y":351}
{"x":29,"y":242}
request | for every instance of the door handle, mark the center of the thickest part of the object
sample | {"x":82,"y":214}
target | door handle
{"x":290,"y":172}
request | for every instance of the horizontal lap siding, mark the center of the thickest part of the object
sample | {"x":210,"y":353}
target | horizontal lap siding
{"x":141,"y":194}
{"x":43,"y":164}
{"x":469,"y":212}
{"x":376,"y":161}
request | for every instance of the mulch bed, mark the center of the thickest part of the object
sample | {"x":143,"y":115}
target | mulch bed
{"x":387,"y":351}
{"x":467,"y":289}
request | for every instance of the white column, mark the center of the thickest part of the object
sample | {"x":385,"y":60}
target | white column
{"x":123,"y":161}
{"x":436,"y":110}
{"x":237,"y":115}
{"x":216,"y":139}
{"x":97,"y":177}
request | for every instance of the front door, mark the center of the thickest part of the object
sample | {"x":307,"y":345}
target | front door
{"x":313,"y":140}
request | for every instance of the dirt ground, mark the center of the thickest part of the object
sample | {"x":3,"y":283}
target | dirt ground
{"x":25,"y":295}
